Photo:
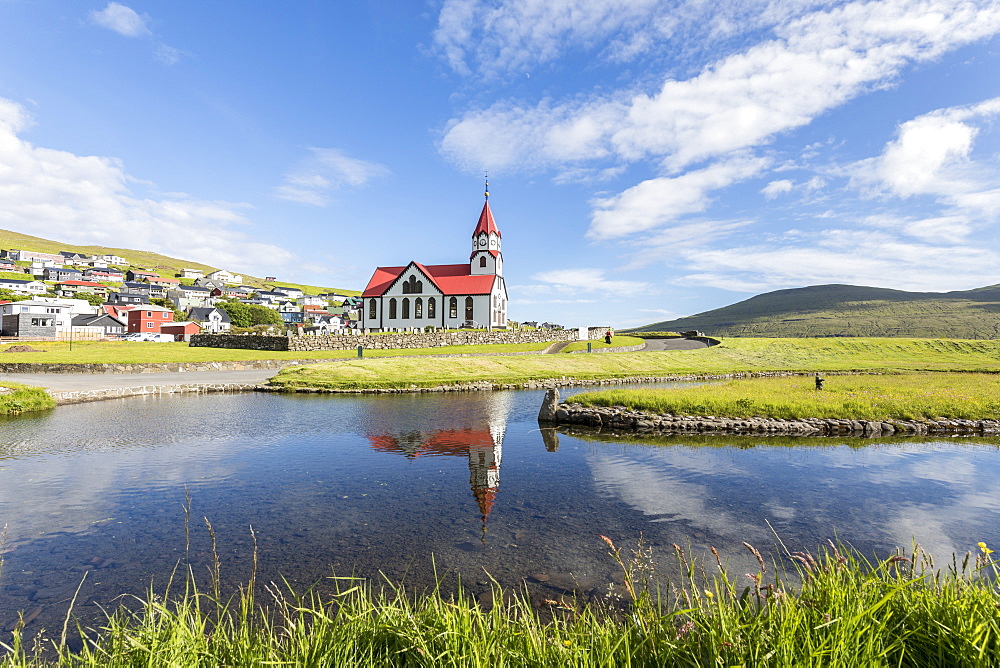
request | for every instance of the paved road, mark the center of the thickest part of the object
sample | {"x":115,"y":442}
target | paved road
{"x":673,"y":344}
{"x":71,"y":382}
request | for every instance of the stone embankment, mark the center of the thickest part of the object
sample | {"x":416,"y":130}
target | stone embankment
{"x":621,"y":419}
{"x":83,"y":396}
{"x":384,"y":341}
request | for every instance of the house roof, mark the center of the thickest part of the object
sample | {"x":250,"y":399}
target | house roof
{"x":450,"y":279}
{"x":89,"y":284}
{"x":486,"y":223}
{"x":203,"y":312}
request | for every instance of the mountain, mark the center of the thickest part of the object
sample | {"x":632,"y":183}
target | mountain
{"x":851,"y":310}
{"x":163,"y":264}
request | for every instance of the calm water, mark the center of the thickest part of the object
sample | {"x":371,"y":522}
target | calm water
{"x":365,"y":484}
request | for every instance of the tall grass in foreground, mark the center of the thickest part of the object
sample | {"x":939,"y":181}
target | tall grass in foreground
{"x":24,"y":399}
{"x":846,"y":611}
{"x":903,"y":397}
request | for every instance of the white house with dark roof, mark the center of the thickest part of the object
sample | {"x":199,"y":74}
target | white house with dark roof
{"x":444,"y":295}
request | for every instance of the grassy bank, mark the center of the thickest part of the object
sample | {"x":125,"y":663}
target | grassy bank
{"x":846,"y":612}
{"x":733,"y":356}
{"x":23,"y":399}
{"x":904,"y":397}
{"x":596,"y":344}
{"x":129,"y":352}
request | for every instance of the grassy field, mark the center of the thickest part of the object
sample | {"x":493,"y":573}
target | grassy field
{"x":910,"y":396}
{"x":733,"y":356}
{"x":616,"y":342}
{"x":847,"y":611}
{"x":129,"y":352}
{"x":24,"y":399}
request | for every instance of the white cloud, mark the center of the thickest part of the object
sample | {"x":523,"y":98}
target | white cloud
{"x":121,"y":19}
{"x":88,"y":200}
{"x":775,"y":188}
{"x":859,"y":257}
{"x":656,"y":202}
{"x":587,"y":280}
{"x":817,"y":62}
{"x":326,"y":170}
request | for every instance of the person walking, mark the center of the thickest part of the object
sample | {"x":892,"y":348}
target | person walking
{"x":607,"y":337}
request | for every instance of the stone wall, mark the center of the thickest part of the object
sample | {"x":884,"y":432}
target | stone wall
{"x":389,"y":340}
{"x":83,"y":396}
{"x":618,"y":419}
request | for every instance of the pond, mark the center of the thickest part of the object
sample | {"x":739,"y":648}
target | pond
{"x":466,"y":484}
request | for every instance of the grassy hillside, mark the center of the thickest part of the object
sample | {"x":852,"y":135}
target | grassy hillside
{"x":163,"y":264}
{"x":850,"y":310}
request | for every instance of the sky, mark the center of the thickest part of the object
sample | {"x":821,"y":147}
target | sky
{"x":646,"y":159}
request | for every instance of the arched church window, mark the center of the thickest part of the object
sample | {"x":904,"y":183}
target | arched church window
{"x":406,"y":308}
{"x":468,"y":308}
{"x":431,"y":307}
{"x":418,"y":308}
{"x":392,"y":309}
{"x":420,"y":287}
{"x":482,"y":261}
{"x":453,"y":307}
{"x":372,"y":309}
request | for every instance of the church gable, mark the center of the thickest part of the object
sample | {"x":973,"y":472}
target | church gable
{"x":413,"y":280}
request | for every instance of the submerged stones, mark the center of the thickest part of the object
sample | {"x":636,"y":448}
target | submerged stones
{"x":620,"y":418}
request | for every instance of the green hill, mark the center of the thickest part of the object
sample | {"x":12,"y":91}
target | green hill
{"x":162,"y":264}
{"x":851,"y":310}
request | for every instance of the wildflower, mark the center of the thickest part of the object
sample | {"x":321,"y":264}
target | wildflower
{"x":567,"y":643}
{"x":985,"y":550}
{"x":685,"y":629}
{"x":709,"y":593}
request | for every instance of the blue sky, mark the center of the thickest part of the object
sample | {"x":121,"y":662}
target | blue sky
{"x":647,"y":159}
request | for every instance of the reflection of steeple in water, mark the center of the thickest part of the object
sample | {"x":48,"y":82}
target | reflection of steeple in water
{"x":476,"y":425}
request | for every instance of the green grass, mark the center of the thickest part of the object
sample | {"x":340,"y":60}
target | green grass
{"x":834,"y":609}
{"x":24,"y":399}
{"x":616,"y":342}
{"x":129,"y":352}
{"x":903,"y":397}
{"x":733,"y":356}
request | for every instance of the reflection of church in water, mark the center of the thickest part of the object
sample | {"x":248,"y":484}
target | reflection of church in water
{"x":479,"y":440}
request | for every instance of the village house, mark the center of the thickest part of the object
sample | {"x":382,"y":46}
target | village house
{"x":293,"y":293}
{"x":23,"y":287}
{"x":104,"y":274}
{"x":61,"y":274}
{"x":7,"y":265}
{"x":148,"y":319}
{"x":33,"y":318}
{"x":470,"y":294}
{"x":164,"y":282}
{"x":225,"y":277}
{"x":181,"y":331}
{"x":103,"y":324}
{"x":31,"y":256}
{"x":127,"y":299}
{"x":192,"y":273}
{"x":70,"y":288}
{"x":213,"y":320}
{"x":72,"y":257}
{"x":185,"y":297}
{"x":137,"y":275}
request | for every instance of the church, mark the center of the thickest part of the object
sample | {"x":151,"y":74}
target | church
{"x":444,"y":296}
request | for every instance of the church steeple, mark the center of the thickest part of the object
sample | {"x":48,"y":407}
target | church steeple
{"x":486,"y":238}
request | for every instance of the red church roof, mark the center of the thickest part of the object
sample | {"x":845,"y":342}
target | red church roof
{"x":450,"y":279}
{"x":486,"y":223}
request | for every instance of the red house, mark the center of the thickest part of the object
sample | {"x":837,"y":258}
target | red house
{"x":182,"y":331}
{"x":148,"y":319}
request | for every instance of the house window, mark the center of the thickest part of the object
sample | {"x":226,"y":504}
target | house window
{"x":468,"y":308}
{"x":412,"y":286}
{"x":149,"y":325}
{"x":431,"y":307}
{"x":406,"y":309}
{"x":418,"y":308}
{"x":453,"y":307}
{"x":372,"y":309}
{"x":482,"y":261}
{"x":149,"y":314}
{"x":392,"y":309}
